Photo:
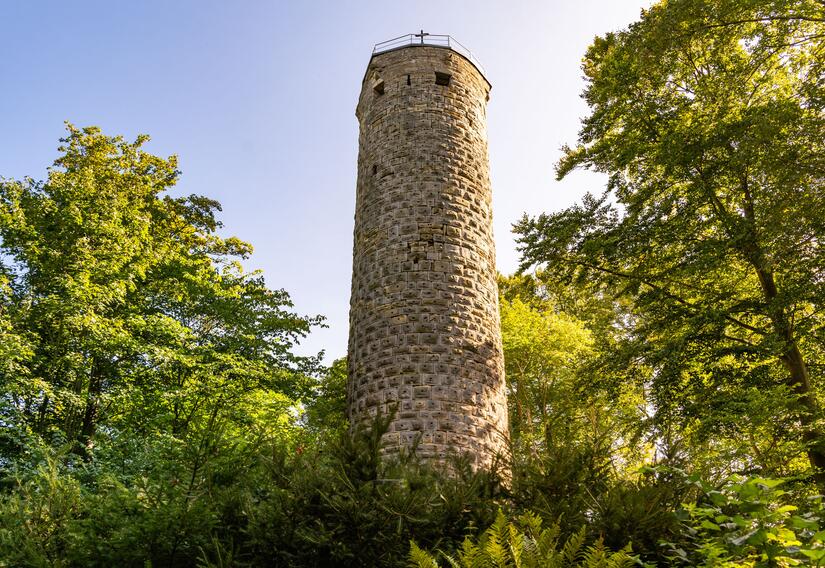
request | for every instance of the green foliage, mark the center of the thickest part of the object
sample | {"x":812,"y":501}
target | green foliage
{"x":327,"y":409}
{"x":575,"y":436}
{"x":353,"y":508}
{"x":541,"y":350}
{"x":525,"y":544}
{"x":751,"y":522}
{"x":33,"y":521}
{"x":259,"y":502}
{"x":160,"y":501}
{"x":561,"y":402}
{"x":146,"y":370}
{"x":619,"y":509}
{"x":125,"y":308}
{"x":708,"y":118}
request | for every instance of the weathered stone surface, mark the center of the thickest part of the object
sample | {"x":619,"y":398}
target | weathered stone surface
{"x":424,"y":321}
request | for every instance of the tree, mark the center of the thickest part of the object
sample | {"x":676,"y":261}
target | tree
{"x":541,"y":351}
{"x":125,"y":307}
{"x":327,"y":411}
{"x":708,"y":118}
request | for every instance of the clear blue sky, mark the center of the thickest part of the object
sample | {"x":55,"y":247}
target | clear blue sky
{"x":257,"y":98}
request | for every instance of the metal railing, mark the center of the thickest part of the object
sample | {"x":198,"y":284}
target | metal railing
{"x":428,"y":39}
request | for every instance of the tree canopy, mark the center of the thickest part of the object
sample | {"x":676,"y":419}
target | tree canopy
{"x":708,"y":118}
{"x":124,"y":306}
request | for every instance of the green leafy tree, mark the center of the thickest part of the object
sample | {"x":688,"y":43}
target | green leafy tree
{"x":577,"y":439}
{"x":327,"y":409}
{"x":556,"y":336}
{"x":126,"y":308}
{"x":541,"y":350}
{"x":708,"y":118}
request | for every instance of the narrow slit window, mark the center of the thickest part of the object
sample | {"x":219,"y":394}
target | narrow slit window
{"x":379,"y":88}
{"x":408,"y":80}
{"x":442,"y":78}
{"x":374,"y":169}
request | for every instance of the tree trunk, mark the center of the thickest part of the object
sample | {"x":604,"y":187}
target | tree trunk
{"x":90,"y":415}
{"x":799,"y":379}
{"x":800,"y":382}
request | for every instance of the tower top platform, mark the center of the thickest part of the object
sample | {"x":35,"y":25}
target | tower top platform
{"x":429,"y":40}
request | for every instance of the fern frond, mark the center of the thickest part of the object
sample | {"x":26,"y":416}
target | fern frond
{"x":499,"y":527}
{"x":595,"y":556}
{"x":547,"y":541}
{"x":451,"y":561}
{"x":496,"y":552}
{"x":420,"y":558}
{"x":471,"y":555}
{"x":622,"y":559}
{"x":526,"y":545}
{"x":494,"y":541}
{"x":515,"y":543}
{"x":530,"y":523}
{"x":572,"y":550}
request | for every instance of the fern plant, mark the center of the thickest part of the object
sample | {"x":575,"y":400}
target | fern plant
{"x":525,"y":544}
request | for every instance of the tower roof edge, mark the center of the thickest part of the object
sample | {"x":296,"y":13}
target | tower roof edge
{"x":423,"y":39}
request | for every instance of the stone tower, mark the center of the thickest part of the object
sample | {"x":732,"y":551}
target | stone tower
{"x":424,"y":320}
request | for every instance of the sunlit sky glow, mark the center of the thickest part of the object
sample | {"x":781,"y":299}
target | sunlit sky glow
{"x":257,"y":98}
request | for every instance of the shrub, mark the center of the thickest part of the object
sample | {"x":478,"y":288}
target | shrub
{"x":751,"y":522}
{"x":525,"y":544}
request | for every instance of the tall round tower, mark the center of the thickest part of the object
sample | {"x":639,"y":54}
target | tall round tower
{"x":424,"y":320}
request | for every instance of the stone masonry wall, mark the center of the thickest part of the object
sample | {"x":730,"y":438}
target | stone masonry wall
{"x":424,"y":319}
